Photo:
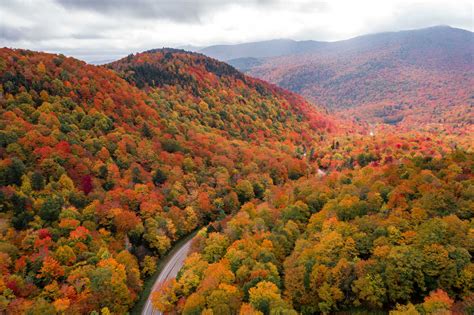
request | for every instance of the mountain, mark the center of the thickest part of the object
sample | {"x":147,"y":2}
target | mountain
{"x":225,"y":91}
{"x":264,"y":49}
{"x":387,"y":227}
{"x":244,"y":63}
{"x":412,"y":77}
{"x":103,"y":168}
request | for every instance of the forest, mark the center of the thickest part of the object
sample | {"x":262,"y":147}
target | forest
{"x":397,"y":236}
{"x":104,"y":168}
{"x":408,"y":78}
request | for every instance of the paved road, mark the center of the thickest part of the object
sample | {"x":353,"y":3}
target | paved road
{"x":170,"y":270}
{"x":173,"y":266}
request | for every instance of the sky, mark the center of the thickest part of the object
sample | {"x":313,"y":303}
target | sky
{"x":104,"y":30}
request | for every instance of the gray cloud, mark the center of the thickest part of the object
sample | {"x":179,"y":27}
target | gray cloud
{"x":9,"y":33}
{"x":105,"y":29}
{"x":88,"y":35}
{"x":18,"y":33}
{"x":174,"y":10}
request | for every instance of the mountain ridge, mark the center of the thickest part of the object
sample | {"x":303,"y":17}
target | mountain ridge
{"x":388,"y":77}
{"x":226,"y":52}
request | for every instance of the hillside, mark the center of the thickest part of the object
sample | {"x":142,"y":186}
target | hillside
{"x":384,"y":238}
{"x":99,"y":178}
{"x":419,"y":76}
{"x":227,"y":99}
{"x":104,"y":168}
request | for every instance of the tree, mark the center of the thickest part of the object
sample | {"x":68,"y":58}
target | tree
{"x":51,"y":269}
{"x":148,"y":265}
{"x":224,"y":300}
{"x":51,"y":208}
{"x":296,"y":212}
{"x":86,"y":184}
{"x":247,"y":309}
{"x":132,"y":270}
{"x":438,"y":302}
{"x":159,"y":177}
{"x":215,"y":248}
{"x":108,"y":286}
{"x":405,"y":261}
{"x":41,"y":68}
{"x":244,"y":191}
{"x":164,"y":297}
{"x":265,"y":297}
{"x":350,"y":207}
{"x":125,"y":221}
{"x":66,"y":183}
{"x":136,"y":175}
{"x":370,"y":289}
{"x":37,"y":181}
{"x":65,"y":255}
{"x":146,"y":131}
{"x":11,"y":172}
{"x":231,"y":202}
{"x":62,"y":304}
{"x":258,"y":189}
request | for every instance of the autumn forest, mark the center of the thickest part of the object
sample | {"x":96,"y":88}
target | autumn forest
{"x":294,"y":209}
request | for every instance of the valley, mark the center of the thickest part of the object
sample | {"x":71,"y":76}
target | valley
{"x":409,"y":77}
{"x":355,"y":200}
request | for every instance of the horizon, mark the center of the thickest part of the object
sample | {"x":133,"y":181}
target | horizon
{"x":198,"y":49}
{"x":109,"y":29}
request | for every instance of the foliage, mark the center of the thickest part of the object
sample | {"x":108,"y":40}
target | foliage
{"x":91,"y":165}
{"x":410,"y":78}
{"x":391,"y":249}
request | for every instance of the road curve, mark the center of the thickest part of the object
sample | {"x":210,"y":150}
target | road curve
{"x":170,"y":270}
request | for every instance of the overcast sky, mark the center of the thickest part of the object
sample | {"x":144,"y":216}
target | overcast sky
{"x":95,"y":30}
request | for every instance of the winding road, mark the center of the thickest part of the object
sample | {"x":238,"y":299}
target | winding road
{"x":172,"y":267}
{"x":170,"y":270}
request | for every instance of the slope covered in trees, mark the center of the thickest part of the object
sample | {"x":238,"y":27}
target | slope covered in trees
{"x":103,"y":168}
{"x":390,"y":228}
{"x":225,"y":98}
{"x":409,"y":77}
{"x":98,"y":177}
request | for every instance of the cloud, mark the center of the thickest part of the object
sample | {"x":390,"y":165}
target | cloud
{"x":101,"y":30}
{"x":422,"y":14}
{"x":88,"y":35}
{"x":175,"y":10}
{"x":9,"y":33}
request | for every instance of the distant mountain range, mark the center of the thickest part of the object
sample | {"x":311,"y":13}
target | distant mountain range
{"x":424,"y":75}
{"x":264,"y":49}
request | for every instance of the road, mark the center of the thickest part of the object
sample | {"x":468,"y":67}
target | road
{"x":170,"y":270}
{"x":172,"y":267}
